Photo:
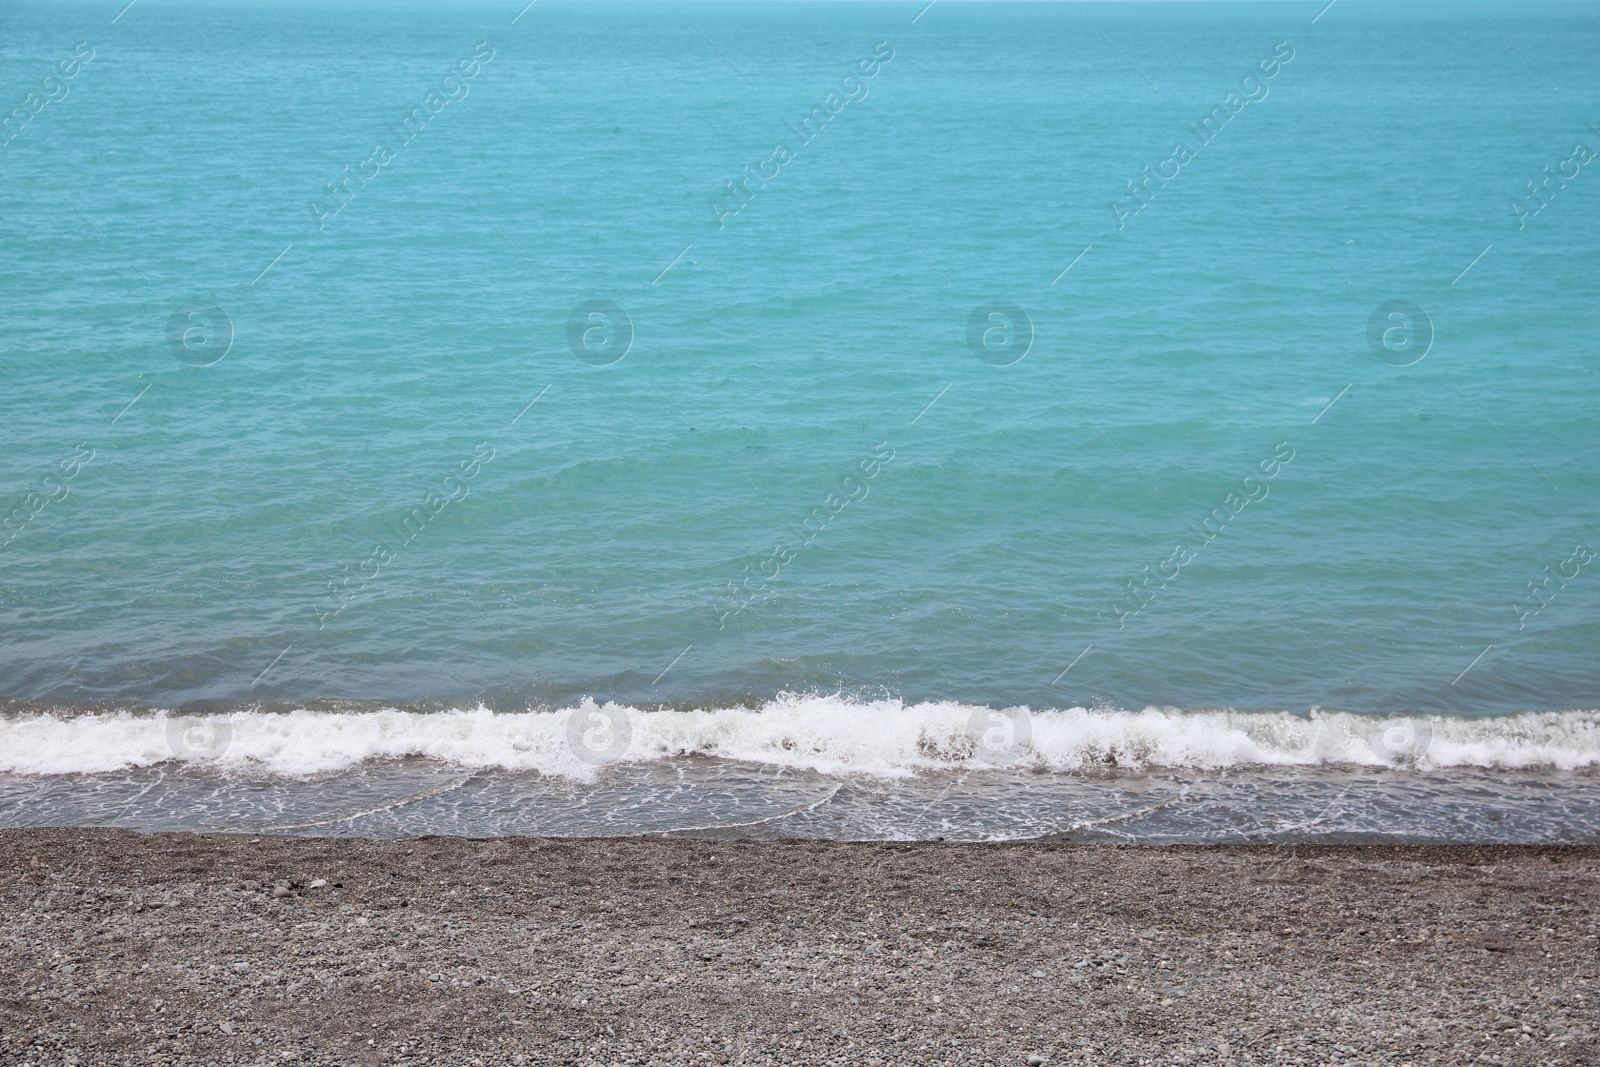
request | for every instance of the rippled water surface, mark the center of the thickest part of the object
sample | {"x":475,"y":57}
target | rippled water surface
{"x":729,"y":800}
{"x":441,"y":357}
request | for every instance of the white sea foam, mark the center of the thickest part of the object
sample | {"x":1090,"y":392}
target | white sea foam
{"x":826,"y":734}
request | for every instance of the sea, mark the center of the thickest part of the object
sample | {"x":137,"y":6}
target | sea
{"x":1107,"y":422}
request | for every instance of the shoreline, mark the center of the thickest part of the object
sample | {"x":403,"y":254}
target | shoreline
{"x":178,"y":949}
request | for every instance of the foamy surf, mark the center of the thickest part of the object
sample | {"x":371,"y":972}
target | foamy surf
{"x":820,"y":734}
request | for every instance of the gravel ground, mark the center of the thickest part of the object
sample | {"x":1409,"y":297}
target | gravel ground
{"x":190,"y":949}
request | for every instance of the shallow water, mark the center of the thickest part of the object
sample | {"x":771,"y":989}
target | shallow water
{"x":813,"y":767}
{"x":724,"y":799}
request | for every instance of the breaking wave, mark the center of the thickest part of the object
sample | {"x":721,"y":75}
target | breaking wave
{"x":831,"y":735}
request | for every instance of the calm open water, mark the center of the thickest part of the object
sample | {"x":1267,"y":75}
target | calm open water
{"x":843,"y":419}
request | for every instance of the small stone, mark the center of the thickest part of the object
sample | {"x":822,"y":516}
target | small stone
{"x":280,"y":890}
{"x":1037,"y":1059}
{"x":319,"y":883}
{"x":1038,"y":974}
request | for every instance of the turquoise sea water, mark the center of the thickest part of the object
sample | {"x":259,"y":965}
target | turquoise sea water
{"x":312,"y":389}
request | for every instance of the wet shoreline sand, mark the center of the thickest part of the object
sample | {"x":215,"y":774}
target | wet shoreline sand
{"x":193,"y":948}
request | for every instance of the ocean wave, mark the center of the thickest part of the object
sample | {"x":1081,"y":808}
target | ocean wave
{"x":824,"y":734}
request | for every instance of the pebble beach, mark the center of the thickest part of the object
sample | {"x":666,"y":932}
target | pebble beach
{"x":180,"y":949}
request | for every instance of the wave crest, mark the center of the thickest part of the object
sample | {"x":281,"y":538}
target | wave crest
{"x":825,"y":734}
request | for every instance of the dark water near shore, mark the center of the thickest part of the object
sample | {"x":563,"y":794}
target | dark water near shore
{"x":722,"y":799}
